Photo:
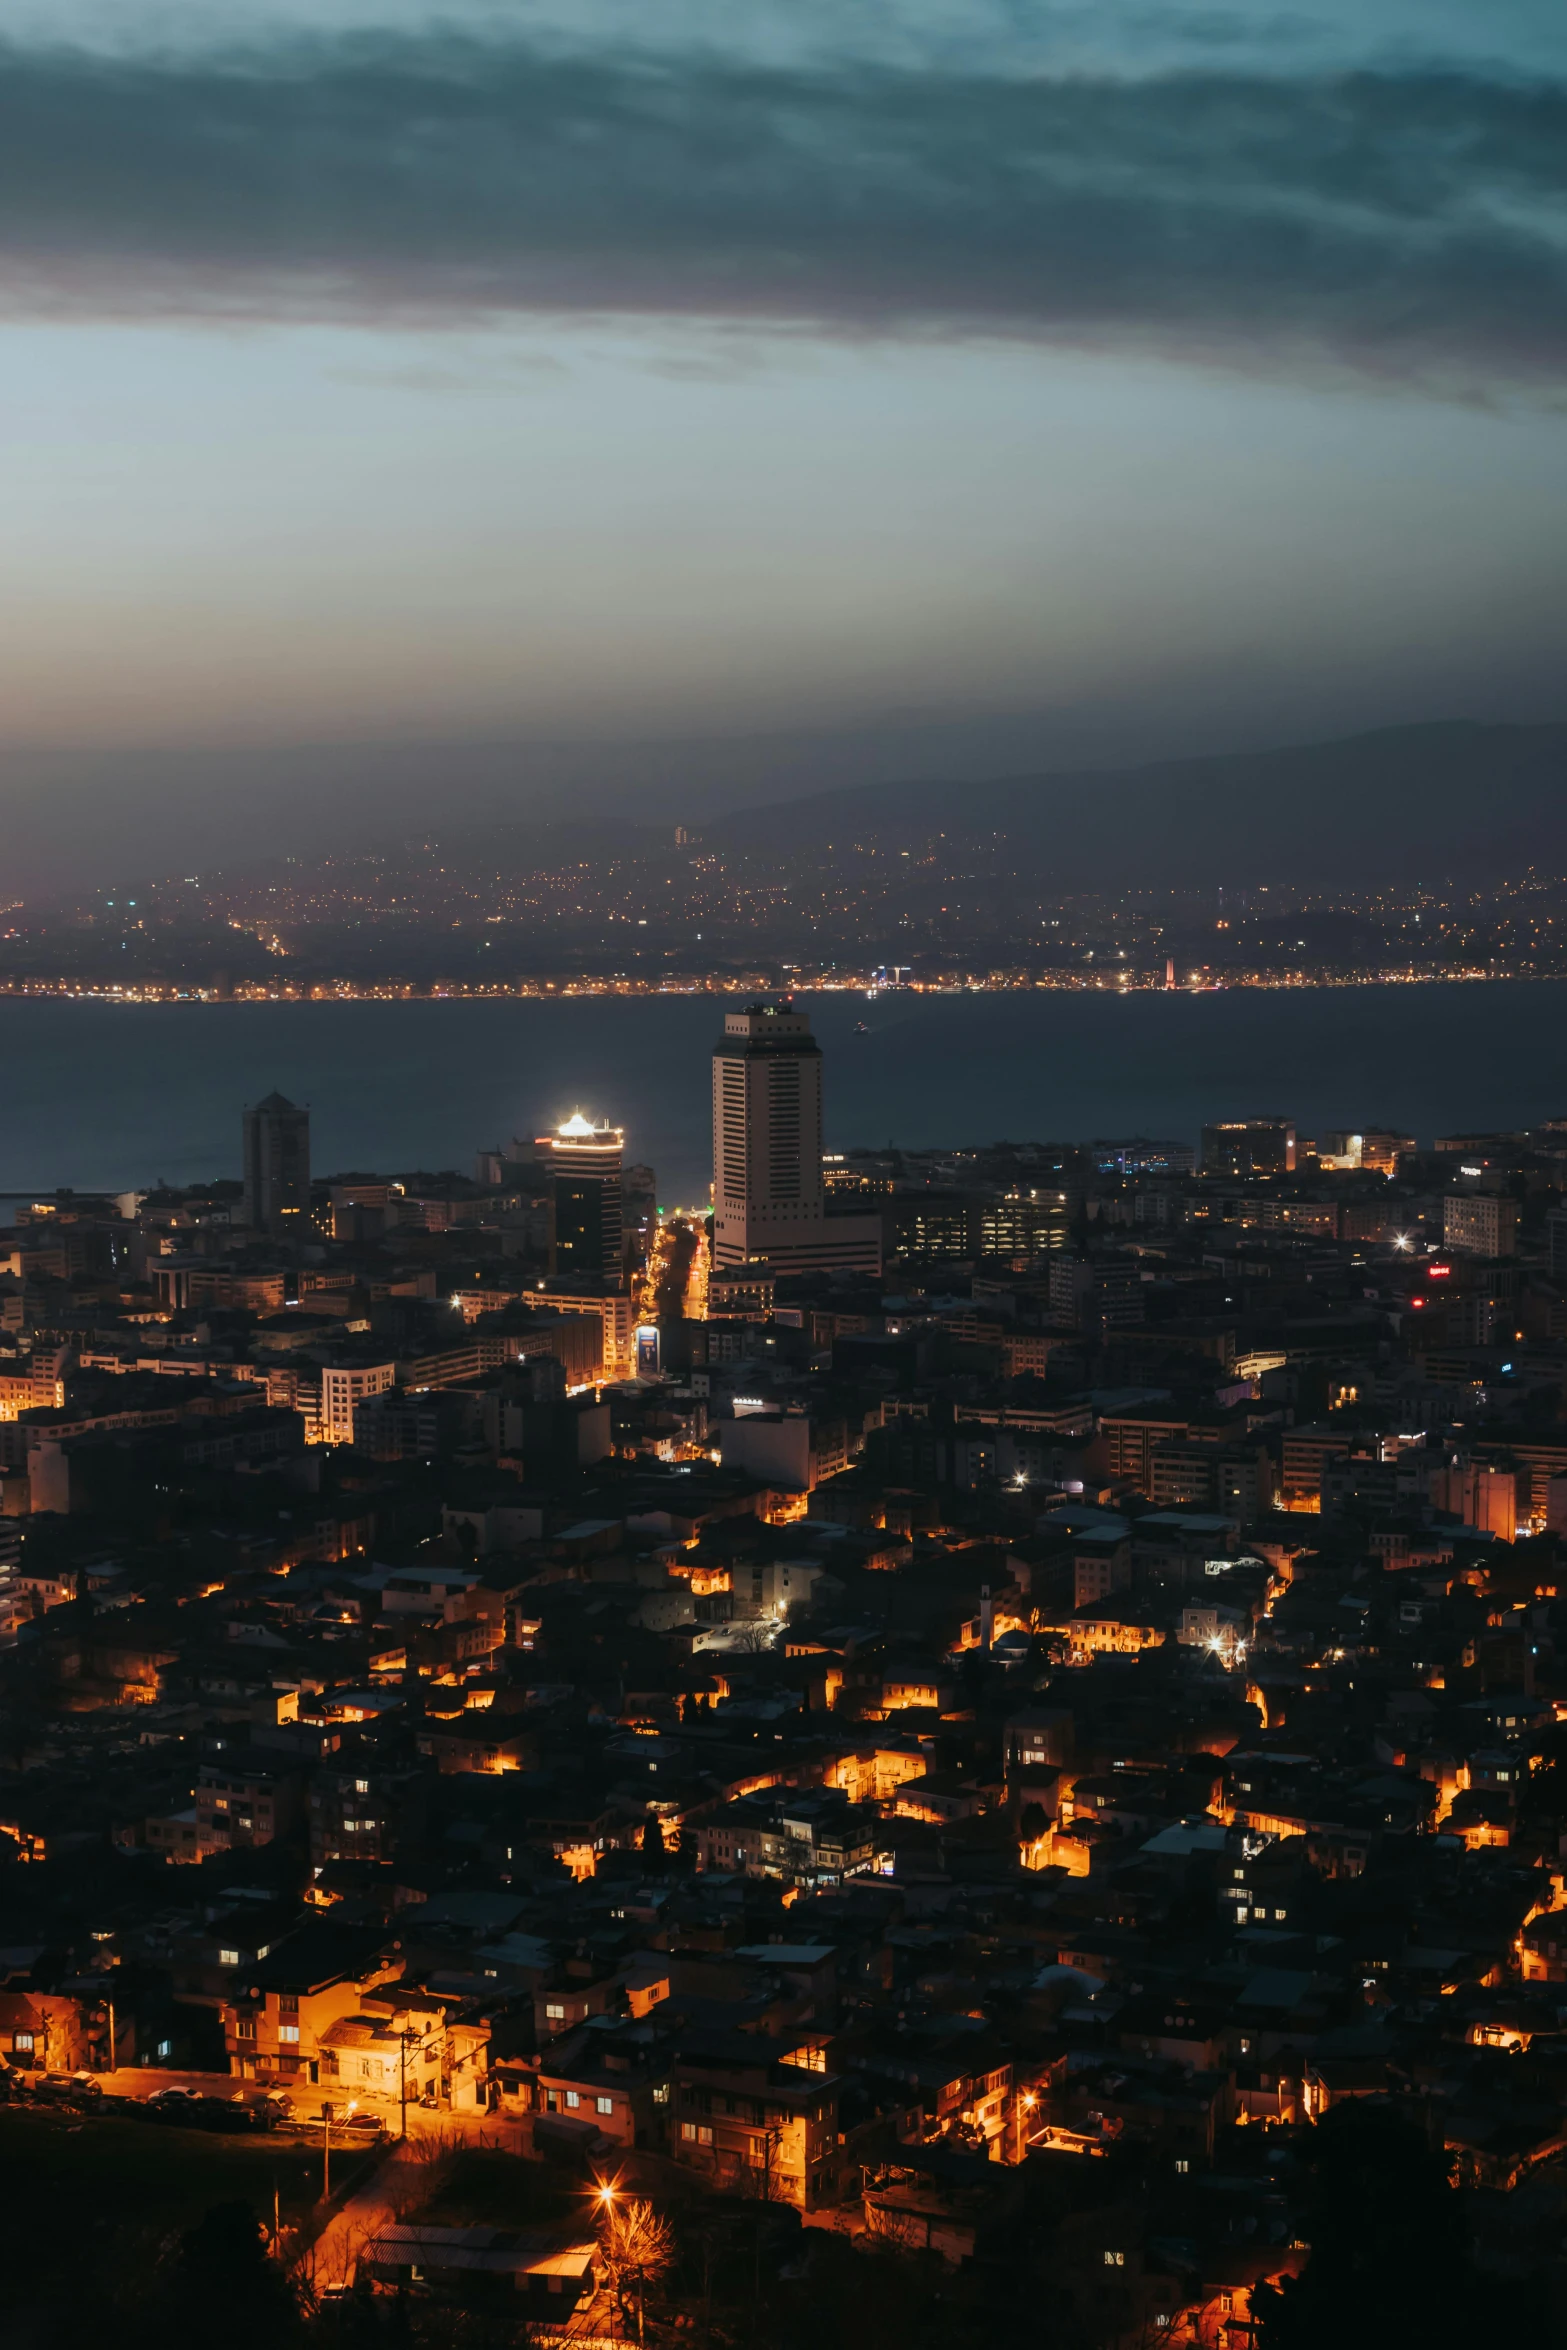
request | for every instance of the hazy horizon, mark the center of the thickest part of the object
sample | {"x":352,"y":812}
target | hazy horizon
{"x":411,"y":412}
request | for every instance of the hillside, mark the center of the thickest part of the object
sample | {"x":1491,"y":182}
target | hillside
{"x":1430,"y":803}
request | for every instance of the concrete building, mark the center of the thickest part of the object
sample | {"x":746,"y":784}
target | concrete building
{"x":276,"y":1169}
{"x":769,"y":1199}
{"x":1249,"y":1146}
{"x":790,"y":1449}
{"x":344,"y":1387}
{"x":1480,"y":1224}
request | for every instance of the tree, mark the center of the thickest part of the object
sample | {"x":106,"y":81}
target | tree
{"x":1390,"y":2256}
{"x":1033,"y":1823}
{"x":653,"y":1841}
{"x":638,"y":2246}
{"x":224,"y":2291}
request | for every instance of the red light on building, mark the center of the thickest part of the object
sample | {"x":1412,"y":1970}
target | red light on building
{"x":1439,"y":1272}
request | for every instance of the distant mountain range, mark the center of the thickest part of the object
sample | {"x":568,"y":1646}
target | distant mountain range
{"x":1450,"y":802}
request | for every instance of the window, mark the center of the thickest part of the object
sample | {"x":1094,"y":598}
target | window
{"x":572,"y":2100}
{"x":22,"y":2043}
{"x":288,"y":2003}
{"x":164,"y":2048}
{"x":1115,"y":2260}
{"x":228,"y":1958}
{"x":288,"y":2032}
{"x":362,"y":1787}
{"x":1182,"y":2165}
{"x":696,"y":2133}
{"x":661,"y":2093}
{"x":604,"y":2104}
{"x":555,"y":2011}
{"x":245,"y":2027}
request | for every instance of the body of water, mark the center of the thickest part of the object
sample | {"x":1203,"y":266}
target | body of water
{"x":100,"y":1095}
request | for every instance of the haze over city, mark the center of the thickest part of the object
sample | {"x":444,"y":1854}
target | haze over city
{"x":516,"y":411}
{"x":783,"y":1175}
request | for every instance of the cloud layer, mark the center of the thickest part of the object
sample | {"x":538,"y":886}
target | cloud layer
{"x":1401,"y":225}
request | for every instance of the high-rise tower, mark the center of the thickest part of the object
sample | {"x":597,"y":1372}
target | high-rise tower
{"x":768,"y":1198}
{"x":276,"y":1171}
{"x":584,"y":1164}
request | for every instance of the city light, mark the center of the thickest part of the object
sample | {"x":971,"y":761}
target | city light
{"x":723,"y":1620}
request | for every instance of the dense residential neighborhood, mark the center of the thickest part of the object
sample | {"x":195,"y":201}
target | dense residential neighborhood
{"x":1007,"y":1758}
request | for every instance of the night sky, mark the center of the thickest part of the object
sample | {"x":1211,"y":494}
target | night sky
{"x":1004,"y":381}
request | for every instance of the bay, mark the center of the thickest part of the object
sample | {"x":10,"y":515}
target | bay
{"x":100,"y":1095}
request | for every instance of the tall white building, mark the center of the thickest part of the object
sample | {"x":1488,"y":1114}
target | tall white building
{"x":769,"y":1202}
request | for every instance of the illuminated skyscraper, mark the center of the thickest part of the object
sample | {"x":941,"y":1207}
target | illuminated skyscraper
{"x":769,"y":1202}
{"x":276,"y":1171}
{"x":584,"y":1164}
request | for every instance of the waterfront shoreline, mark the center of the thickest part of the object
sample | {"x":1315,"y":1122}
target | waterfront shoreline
{"x":861,"y":983}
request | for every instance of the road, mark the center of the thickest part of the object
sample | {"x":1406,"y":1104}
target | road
{"x":474,"y":2124}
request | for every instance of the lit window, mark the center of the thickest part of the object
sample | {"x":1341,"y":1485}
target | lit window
{"x":361,"y":1786}
{"x":572,"y":2100}
{"x":605,"y":2104}
{"x":696,"y":2133}
{"x":228,"y":1958}
{"x":1182,"y":2165}
{"x":22,"y":2043}
{"x":288,"y":2032}
{"x":554,"y":2011}
{"x":1115,"y":2260}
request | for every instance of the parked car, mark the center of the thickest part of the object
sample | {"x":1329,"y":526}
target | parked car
{"x":218,"y":2113}
{"x":78,"y":2089}
{"x":173,"y":2105}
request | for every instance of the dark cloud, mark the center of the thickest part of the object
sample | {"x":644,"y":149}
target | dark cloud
{"x":1406,"y":225}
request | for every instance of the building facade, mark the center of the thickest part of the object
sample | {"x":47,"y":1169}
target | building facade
{"x":1249,"y":1146}
{"x":584,"y":1165}
{"x":276,"y":1171}
{"x":769,"y":1199}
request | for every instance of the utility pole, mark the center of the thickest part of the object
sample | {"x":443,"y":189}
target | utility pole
{"x":326,"y":2153}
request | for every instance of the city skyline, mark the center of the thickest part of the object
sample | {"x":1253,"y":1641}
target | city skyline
{"x":783,"y":1177}
{"x":976,"y":1719}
